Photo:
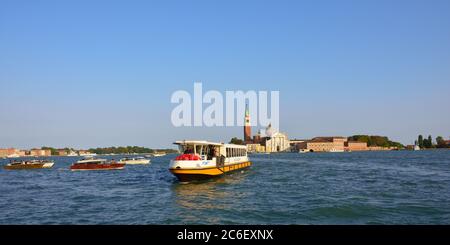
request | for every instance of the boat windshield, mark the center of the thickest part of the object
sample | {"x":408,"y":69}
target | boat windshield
{"x":206,"y":151}
{"x":188,"y":149}
{"x":91,"y":161}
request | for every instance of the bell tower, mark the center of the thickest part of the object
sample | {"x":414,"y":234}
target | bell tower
{"x":247,"y":126}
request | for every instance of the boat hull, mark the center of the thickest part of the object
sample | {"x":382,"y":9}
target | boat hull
{"x":29,"y":166}
{"x":82,"y":166}
{"x":197,"y":174}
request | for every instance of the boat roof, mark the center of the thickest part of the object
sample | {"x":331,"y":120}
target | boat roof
{"x":204,"y":142}
{"x":235,"y":146}
{"x":91,"y":160}
{"x":196,"y":142}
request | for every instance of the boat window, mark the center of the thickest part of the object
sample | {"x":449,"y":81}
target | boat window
{"x":210,"y":152}
{"x":189,"y":149}
{"x":199,"y":149}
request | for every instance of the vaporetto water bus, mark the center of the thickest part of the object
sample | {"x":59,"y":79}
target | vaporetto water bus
{"x":202,"y":160}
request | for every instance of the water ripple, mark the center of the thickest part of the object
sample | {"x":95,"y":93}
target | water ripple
{"x":402,"y":187}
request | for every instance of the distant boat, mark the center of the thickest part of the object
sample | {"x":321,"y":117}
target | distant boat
{"x":303,"y":151}
{"x":72,"y":154}
{"x":336,"y":150}
{"x":96,"y":164}
{"x":159,"y":154}
{"x":87,"y":154}
{"x":13,"y":156}
{"x":416,"y":148}
{"x":34,"y":164}
{"x":134,"y":160}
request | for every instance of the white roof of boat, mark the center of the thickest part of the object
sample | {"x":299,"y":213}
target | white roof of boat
{"x":204,"y":142}
{"x":235,"y":146}
{"x":196,"y":142}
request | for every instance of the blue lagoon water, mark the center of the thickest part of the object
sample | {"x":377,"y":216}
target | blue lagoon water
{"x":397,"y":187}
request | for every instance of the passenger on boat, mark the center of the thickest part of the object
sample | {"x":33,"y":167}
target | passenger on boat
{"x":189,"y":150}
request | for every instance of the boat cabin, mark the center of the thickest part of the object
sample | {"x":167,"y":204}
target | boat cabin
{"x":205,"y":150}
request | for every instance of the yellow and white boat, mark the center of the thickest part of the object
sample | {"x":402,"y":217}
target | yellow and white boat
{"x":202,"y":160}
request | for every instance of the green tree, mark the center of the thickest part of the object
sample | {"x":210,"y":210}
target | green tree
{"x":375,"y":140}
{"x":236,"y":141}
{"x":428,"y":143}
{"x":420,"y":140}
{"x":440,"y":142}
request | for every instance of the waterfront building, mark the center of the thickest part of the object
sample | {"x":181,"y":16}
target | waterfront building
{"x":255,"y":148}
{"x":11,"y":152}
{"x":40,"y":153}
{"x":294,"y":144}
{"x":62,"y":152}
{"x":323,"y":144}
{"x":22,"y":153}
{"x":273,"y":142}
{"x":278,"y":142}
{"x":355,"y":146}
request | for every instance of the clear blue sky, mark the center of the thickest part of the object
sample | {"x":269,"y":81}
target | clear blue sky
{"x":100,"y":73}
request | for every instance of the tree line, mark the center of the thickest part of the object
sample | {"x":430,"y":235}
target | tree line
{"x":128,"y":150}
{"x":428,"y":143}
{"x":375,"y":140}
{"x":371,"y":140}
{"x":113,"y":150}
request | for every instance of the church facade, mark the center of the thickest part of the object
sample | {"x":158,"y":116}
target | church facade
{"x":272,"y":142}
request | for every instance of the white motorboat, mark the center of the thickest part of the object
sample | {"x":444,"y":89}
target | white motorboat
{"x":159,"y":154}
{"x":134,"y":160}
